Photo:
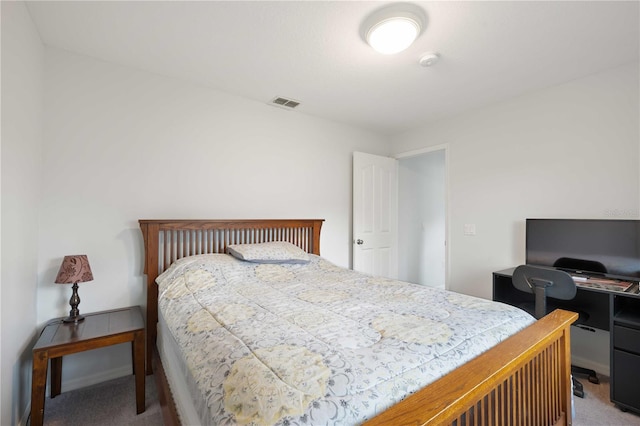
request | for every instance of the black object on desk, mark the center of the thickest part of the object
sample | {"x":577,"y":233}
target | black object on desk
{"x":613,"y":311}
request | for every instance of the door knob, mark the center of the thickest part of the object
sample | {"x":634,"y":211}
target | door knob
{"x":359,"y":242}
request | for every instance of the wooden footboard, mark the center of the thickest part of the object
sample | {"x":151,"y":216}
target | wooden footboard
{"x":524,"y":380}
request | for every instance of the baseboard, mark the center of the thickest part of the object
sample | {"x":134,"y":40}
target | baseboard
{"x":587,"y":363}
{"x":80,"y":383}
{"x":103,"y":376}
{"x":24,"y":420}
{"x":590,"y":349}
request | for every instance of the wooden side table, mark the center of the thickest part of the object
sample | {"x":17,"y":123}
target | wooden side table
{"x":98,"y":330}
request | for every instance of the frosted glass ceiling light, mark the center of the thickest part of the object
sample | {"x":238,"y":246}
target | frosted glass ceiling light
{"x":392,"y":29}
{"x":393,"y":35}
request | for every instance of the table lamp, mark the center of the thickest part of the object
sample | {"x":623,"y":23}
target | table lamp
{"x":74,"y":269}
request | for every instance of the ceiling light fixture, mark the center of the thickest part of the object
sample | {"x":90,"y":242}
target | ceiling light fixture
{"x":394,"y":28}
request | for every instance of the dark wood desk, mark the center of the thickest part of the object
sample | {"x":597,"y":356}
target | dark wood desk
{"x":98,"y":330}
{"x":616,"y":312}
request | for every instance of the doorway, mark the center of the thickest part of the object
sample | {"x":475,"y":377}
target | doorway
{"x":422,"y":223}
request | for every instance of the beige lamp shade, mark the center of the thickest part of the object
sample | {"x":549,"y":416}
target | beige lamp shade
{"x":74,"y":269}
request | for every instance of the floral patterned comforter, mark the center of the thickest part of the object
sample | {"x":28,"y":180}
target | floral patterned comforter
{"x":315,"y":344}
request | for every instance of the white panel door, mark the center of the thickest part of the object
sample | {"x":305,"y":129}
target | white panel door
{"x":375,"y":215}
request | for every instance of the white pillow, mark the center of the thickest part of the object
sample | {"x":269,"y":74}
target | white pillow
{"x":272,"y":252}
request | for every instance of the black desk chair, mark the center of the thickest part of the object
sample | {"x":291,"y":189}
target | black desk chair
{"x":556,"y":284}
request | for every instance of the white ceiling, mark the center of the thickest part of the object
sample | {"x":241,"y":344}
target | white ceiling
{"x":313,"y":51}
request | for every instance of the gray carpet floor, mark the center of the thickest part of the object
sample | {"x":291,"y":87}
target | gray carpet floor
{"x":113,"y":403}
{"x":596,"y":409}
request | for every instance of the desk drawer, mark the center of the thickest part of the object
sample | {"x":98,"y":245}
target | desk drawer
{"x":625,"y":379}
{"x":626,"y":338}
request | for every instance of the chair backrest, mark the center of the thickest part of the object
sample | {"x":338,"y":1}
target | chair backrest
{"x":543,"y":283}
{"x":580,"y":265}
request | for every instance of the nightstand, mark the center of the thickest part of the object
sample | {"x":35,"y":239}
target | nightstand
{"x":98,"y":330}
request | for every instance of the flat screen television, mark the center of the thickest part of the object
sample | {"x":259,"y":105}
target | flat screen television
{"x":591,"y":247}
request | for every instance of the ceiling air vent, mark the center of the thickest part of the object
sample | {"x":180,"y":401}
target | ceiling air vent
{"x":285,"y":103}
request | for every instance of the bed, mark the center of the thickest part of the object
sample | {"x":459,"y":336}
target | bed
{"x":517,"y":372}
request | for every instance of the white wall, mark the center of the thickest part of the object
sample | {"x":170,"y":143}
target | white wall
{"x":421,"y":219}
{"x":122,"y":145}
{"x":570,"y":151}
{"x":22,"y":104}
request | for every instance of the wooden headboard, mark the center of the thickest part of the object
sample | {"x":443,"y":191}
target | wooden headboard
{"x":166,"y":241}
